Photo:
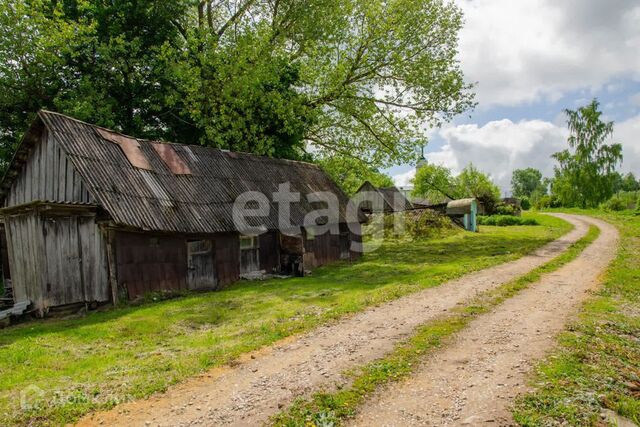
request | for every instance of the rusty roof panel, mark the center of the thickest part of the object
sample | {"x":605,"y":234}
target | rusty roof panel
{"x":129,"y":146}
{"x":171,"y":158}
{"x":154,"y":197}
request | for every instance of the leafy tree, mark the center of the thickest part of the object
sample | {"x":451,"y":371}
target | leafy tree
{"x":473,"y":183}
{"x":435,"y":183}
{"x":584,"y":176}
{"x":438,"y":184}
{"x":358,"y":78}
{"x":630,"y":183}
{"x":35,"y":42}
{"x":526,"y":182}
{"x":351,"y":173}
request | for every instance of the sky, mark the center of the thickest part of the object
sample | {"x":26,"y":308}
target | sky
{"x":531,"y":59}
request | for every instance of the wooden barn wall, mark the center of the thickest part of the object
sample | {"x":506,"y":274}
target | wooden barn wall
{"x":47,"y":175}
{"x":148,"y":263}
{"x":75,"y":260}
{"x":56,"y":260}
{"x":321,"y":249}
{"x":328,"y":247}
{"x":269,"y":251}
{"x":26,"y":256}
{"x":227,"y":249}
{"x":354,"y":234}
{"x":6,"y":269}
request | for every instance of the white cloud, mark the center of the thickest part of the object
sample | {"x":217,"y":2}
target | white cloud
{"x":404,"y":179}
{"x":500,"y":147}
{"x":531,"y":50}
{"x":628,"y":134}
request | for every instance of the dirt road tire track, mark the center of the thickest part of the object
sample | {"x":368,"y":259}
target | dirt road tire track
{"x":474,"y":380}
{"x":268,"y":380}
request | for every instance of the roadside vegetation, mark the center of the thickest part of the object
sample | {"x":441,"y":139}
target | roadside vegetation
{"x":335,"y":406}
{"x":597,"y":366}
{"x":96,"y":361}
{"x":505,"y":220}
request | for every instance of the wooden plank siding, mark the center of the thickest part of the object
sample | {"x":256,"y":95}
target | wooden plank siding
{"x":56,"y":259}
{"x":26,"y":252}
{"x":47,"y":175}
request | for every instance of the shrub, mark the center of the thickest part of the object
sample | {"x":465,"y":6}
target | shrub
{"x":503,"y":209}
{"x":418,"y":224}
{"x":547,"y":201}
{"x":426,"y":223}
{"x":525,"y":204}
{"x":505,"y":220}
{"x":614,"y":204}
{"x":637,"y":212}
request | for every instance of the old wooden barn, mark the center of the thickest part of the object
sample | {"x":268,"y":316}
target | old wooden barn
{"x":93,"y":216}
{"x":372,"y":199}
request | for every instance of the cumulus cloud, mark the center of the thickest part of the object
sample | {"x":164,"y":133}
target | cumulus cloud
{"x":501,"y":146}
{"x":538,"y":50}
{"x":628,"y":134}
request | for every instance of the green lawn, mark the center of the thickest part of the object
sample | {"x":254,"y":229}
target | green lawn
{"x":96,"y":361}
{"x":597,"y":366}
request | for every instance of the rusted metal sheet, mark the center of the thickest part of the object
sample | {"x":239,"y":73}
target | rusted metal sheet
{"x":171,"y":159}
{"x":147,"y":263}
{"x":130,"y":147}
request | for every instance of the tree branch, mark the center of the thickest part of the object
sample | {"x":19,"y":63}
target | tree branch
{"x":241,"y":11}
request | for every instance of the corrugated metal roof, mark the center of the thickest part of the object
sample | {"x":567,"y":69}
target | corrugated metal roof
{"x":199,"y":202}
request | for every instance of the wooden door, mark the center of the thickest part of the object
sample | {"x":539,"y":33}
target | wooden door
{"x":201,"y":265}
{"x":249,"y":254}
{"x":65,"y":284}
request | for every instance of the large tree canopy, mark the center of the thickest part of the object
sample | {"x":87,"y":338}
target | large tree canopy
{"x":355,"y":78}
{"x":586,"y":172}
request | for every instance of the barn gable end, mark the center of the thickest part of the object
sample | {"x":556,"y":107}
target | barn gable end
{"x":56,"y":249}
{"x":44,"y":173}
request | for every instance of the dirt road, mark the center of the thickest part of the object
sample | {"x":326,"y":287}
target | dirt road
{"x":266,"y":381}
{"x":475,"y":380}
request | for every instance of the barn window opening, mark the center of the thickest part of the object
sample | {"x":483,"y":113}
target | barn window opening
{"x":311,"y":233}
{"x":170,"y":158}
{"x":248,"y":242}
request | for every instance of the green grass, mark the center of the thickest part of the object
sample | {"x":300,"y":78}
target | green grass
{"x":333,"y":407}
{"x":597,"y":365}
{"x":94,"y":362}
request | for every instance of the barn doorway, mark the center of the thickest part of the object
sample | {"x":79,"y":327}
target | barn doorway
{"x":201,"y":265}
{"x":249,"y":254}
